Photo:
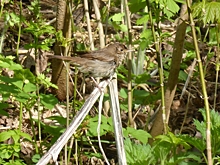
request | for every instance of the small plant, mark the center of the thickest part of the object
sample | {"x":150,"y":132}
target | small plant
{"x":10,"y":153}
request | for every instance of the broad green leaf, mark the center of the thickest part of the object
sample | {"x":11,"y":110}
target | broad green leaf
{"x":22,"y":97}
{"x":208,"y":12}
{"x":183,"y":75}
{"x":59,"y":119}
{"x":140,"y":135}
{"x":171,"y":8}
{"x":117,"y":17}
{"x":123,"y":28}
{"x":136,"y":5}
{"x":104,"y":128}
{"x":138,"y":154}
{"x":4,"y":88}
{"x":15,"y":81}
{"x":146,"y":34}
{"x":142,"y":78}
{"x":212,"y":12}
{"x":8,"y":63}
{"x":35,"y":158}
{"x":140,"y":94}
{"x":2,"y":107}
{"x":6,"y":135}
{"x":25,"y":74}
{"x":197,"y":143}
{"x":123,"y":93}
{"x":185,"y":157}
{"x":142,"y":20}
{"x":25,"y":135}
{"x":49,"y":101}
{"x":29,"y":87}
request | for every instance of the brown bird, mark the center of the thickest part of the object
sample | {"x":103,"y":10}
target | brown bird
{"x":99,"y":63}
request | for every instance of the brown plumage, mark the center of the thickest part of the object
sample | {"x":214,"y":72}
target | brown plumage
{"x":100,"y":63}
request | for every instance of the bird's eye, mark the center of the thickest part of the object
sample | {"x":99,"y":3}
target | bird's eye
{"x":120,"y":49}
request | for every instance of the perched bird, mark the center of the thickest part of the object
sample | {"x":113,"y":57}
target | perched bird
{"x":99,"y":63}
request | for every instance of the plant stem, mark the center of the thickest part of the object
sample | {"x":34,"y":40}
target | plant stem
{"x":19,"y":31}
{"x":217,"y":66}
{"x":130,"y":94}
{"x":202,"y":79}
{"x":160,"y":68}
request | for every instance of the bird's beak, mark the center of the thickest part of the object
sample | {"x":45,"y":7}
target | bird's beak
{"x":130,"y":50}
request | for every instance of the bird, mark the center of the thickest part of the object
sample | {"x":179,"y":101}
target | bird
{"x":99,"y":63}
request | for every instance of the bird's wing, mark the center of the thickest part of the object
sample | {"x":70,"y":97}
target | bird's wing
{"x":100,"y":56}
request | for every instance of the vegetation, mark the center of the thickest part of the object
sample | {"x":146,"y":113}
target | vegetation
{"x":168,"y":87}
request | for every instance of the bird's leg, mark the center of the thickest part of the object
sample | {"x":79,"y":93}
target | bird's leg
{"x":97,"y":85}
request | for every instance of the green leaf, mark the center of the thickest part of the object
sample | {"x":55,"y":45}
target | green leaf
{"x":25,"y":74}
{"x":15,"y":81}
{"x":136,"y":5}
{"x":183,"y":75}
{"x":61,"y":120}
{"x":25,"y":135}
{"x":6,"y":135}
{"x":142,"y":78}
{"x":36,"y":158}
{"x":212,"y":10}
{"x":15,"y":19}
{"x":8,"y":63}
{"x":209,"y":12}
{"x":172,"y":140}
{"x":2,"y":107}
{"x":123,"y":28}
{"x":106,"y":126}
{"x":140,"y":94}
{"x":185,"y":157}
{"x":17,"y":147}
{"x":140,"y":135}
{"x":171,"y":8}
{"x":142,"y":20}
{"x":117,"y":17}
{"x":197,"y":143}
{"x":123,"y":93}
{"x":8,"y":89}
{"x":42,"y":79}
{"x":22,"y":97}
{"x":29,"y":87}
{"x":49,"y":101}
{"x":137,"y":154}
{"x":146,"y":34}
